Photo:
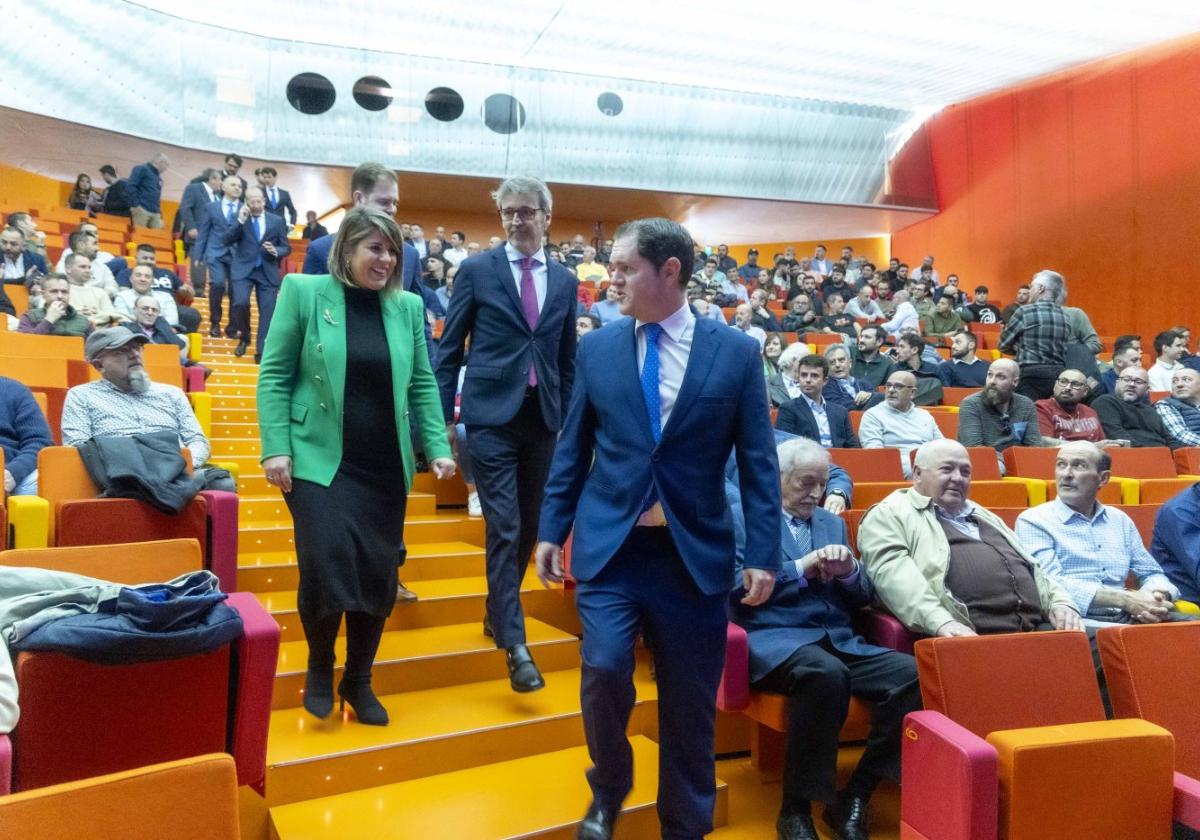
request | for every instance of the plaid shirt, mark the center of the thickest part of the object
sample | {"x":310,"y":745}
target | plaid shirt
{"x":1175,"y":414}
{"x":1040,"y":332}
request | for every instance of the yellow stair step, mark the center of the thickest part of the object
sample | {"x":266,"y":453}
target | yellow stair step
{"x":543,"y":796}
{"x":439,"y":602}
{"x":268,"y":571}
{"x":430,"y":657}
{"x":271,"y":507}
{"x":434,"y":731}
{"x":276,"y":535}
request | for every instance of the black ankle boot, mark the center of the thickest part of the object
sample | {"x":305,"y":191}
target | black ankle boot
{"x":318,"y":691}
{"x":362,"y":699}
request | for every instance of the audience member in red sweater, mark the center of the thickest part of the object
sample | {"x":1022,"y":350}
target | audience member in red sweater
{"x":1063,"y":417}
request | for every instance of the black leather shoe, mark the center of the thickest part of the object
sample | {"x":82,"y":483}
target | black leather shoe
{"x":240,"y":350}
{"x":847,"y":816}
{"x":597,"y":824}
{"x":796,"y":827}
{"x":522,"y":673}
{"x":487,"y":628}
{"x":230,"y":332}
{"x":214,"y":331}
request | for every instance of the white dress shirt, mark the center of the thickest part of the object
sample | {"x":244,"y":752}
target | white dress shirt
{"x":674,"y":347}
{"x":540,"y":272}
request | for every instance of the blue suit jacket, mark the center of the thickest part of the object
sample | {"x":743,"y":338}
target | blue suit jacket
{"x":245,"y":247}
{"x":283,"y":208}
{"x":210,"y":241}
{"x":31,"y":260}
{"x":194,"y":206}
{"x":606,"y":457}
{"x":834,"y":393}
{"x":801,"y":612}
{"x":797,"y":418}
{"x":486,"y":307}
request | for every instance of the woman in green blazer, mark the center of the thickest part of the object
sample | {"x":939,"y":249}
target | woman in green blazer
{"x":344,"y":368}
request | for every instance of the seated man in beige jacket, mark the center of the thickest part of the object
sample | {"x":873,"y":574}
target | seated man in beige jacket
{"x":945,"y":566}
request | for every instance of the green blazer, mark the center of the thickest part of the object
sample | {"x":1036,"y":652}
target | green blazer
{"x":302,"y":377}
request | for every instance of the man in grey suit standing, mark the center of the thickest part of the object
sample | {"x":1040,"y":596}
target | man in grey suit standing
{"x":517,"y":309}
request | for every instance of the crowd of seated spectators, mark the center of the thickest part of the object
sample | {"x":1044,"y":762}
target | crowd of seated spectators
{"x":936,"y":560}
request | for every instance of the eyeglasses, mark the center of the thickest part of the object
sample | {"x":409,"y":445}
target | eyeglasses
{"x":1068,"y":383}
{"x":525,"y":213}
{"x":1006,"y":427}
{"x":897,"y":386}
{"x":1132,"y":381}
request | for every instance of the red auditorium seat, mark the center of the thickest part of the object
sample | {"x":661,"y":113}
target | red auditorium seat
{"x":67,"y":512}
{"x":80,"y":719}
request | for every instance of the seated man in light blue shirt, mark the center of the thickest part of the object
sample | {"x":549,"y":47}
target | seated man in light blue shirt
{"x":1091,"y":549}
{"x":607,"y":310}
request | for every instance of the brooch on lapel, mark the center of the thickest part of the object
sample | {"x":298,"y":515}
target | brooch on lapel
{"x":329,"y":318}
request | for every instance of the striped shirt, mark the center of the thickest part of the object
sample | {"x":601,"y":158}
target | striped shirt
{"x":1086,"y":554}
{"x":1040,"y":331}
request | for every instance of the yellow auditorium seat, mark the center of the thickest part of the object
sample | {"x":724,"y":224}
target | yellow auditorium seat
{"x":190,"y":799}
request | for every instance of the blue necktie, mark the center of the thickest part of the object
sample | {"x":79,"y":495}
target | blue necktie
{"x":651,"y":396}
{"x":258,"y":238}
{"x":229,"y":213}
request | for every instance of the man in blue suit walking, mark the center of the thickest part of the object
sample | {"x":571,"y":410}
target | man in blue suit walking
{"x":210,"y":248}
{"x":660,"y":400}
{"x":802,"y":644}
{"x":257,"y":242}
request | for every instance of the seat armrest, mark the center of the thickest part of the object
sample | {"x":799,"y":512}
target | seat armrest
{"x":256,"y":655}
{"x":1131,"y":489}
{"x":29,"y":520}
{"x":195,"y":346}
{"x":1187,"y":801}
{"x":884,"y":629}
{"x":193,"y":379}
{"x":733,"y":694}
{"x":202,"y":407}
{"x":222,"y":536}
{"x":949,"y":788}
{"x":1034,"y":487}
{"x":5,"y":765}
{"x":231,"y":466}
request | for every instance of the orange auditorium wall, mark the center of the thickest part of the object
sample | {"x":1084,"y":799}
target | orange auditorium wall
{"x":1093,"y":172}
{"x":28,"y":189}
{"x":873,"y":248}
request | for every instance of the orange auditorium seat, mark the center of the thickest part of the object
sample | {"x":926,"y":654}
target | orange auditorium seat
{"x":68,"y":512}
{"x":814,"y":339}
{"x":1009,"y":722}
{"x":947,"y":422}
{"x":1038,"y":462}
{"x":869,"y":464}
{"x":190,"y":799}
{"x":1143,"y":517}
{"x":1187,"y":460}
{"x":955,"y":396}
{"x":1147,"y":474}
{"x":1153,"y":673}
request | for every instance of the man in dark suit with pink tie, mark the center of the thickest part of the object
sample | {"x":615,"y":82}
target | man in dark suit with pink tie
{"x":517,"y":310}
{"x":660,"y":400}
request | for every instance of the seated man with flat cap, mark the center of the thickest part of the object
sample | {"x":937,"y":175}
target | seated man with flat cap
{"x":946,"y":566}
{"x":802,"y":645}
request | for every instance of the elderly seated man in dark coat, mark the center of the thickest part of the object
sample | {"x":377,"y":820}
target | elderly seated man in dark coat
{"x":802,"y":645}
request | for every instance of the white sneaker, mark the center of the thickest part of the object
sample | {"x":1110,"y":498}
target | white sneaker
{"x":473,"y":506}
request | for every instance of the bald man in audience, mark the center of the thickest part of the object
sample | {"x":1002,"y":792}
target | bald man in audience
{"x":998,"y":416}
{"x":1063,"y":417}
{"x":945,"y":566}
{"x":897,"y":422}
{"x":1128,"y":415}
{"x":1180,"y":412}
{"x":1091,"y":548}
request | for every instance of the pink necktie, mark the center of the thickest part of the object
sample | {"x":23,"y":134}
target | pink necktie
{"x":529,"y":304}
